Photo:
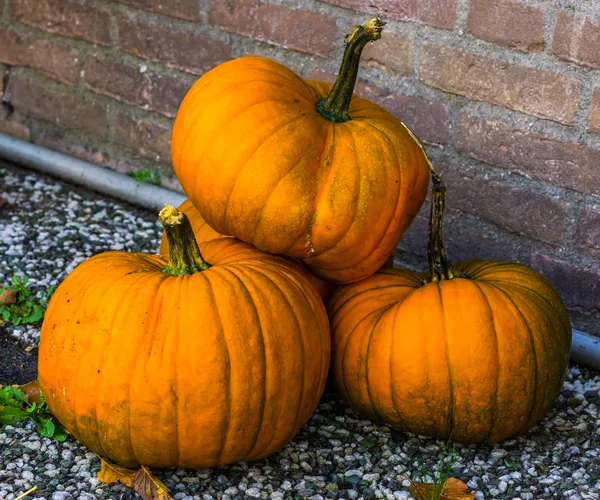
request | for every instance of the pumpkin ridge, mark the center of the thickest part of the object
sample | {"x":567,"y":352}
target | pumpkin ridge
{"x":301,"y":342}
{"x":450,"y":380}
{"x":175,"y":391}
{"x":152,"y":306}
{"x":247,"y":161}
{"x":534,"y":403}
{"x":306,"y":152}
{"x":264,"y":359}
{"x":399,"y":415}
{"x":367,"y":383}
{"x":228,"y":397}
{"x":497,"y":344}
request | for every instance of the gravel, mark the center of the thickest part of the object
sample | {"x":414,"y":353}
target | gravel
{"x":48,"y":228}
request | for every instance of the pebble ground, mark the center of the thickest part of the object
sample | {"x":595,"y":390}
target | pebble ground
{"x":47,"y":228}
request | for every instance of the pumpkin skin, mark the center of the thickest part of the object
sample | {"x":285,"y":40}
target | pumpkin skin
{"x":260,"y":163}
{"x":196,"y":371}
{"x":477,"y":359}
{"x":204,"y":233}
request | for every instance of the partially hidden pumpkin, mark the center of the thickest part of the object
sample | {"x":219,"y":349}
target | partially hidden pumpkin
{"x":204,"y":233}
{"x":300,"y":167}
{"x":475,"y":352}
{"x":199,"y":361}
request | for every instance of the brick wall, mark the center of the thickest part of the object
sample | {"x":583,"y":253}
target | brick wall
{"x":506,"y":94}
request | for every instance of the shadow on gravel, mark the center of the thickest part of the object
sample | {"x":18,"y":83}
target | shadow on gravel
{"x":16,"y":365}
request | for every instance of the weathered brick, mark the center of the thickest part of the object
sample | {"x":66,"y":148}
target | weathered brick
{"x":65,"y":17}
{"x":507,"y":22}
{"x":56,"y":61}
{"x":594,"y":118}
{"x":393,"y":53}
{"x":440,"y":13}
{"x":123,"y":83}
{"x":573,"y":166}
{"x":577,"y":39}
{"x":578,"y":287}
{"x":428,"y":120}
{"x":126,"y":84}
{"x":291,"y":28}
{"x":143,"y":137}
{"x":531,"y":214}
{"x":588,"y":231}
{"x":184,"y":9}
{"x":177,"y":49}
{"x":532,"y":91}
{"x":15,"y":129}
{"x":464,"y":237}
{"x":62,"y":109}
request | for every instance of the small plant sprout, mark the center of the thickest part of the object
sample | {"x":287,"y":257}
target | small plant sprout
{"x":19,"y":305}
{"x":144,"y":175}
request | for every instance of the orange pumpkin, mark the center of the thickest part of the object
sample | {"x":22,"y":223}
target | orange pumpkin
{"x":476,"y":352}
{"x":204,"y":233}
{"x":184,"y":363}
{"x":300,"y":167}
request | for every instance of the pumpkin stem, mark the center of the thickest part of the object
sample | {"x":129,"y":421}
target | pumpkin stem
{"x":335,"y":106}
{"x":440,"y":266}
{"x":184,"y":254}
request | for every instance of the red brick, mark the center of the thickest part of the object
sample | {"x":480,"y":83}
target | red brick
{"x":428,"y":120}
{"x":123,"y":83}
{"x":507,"y":22}
{"x":143,"y":137}
{"x":530,"y":214}
{"x":126,"y":84}
{"x":295,"y":29}
{"x":15,"y":129}
{"x":588,"y":231}
{"x":393,"y":53}
{"x":186,"y":51}
{"x":579,"y":287}
{"x":577,"y":39}
{"x":184,"y":9}
{"x":594,"y":118}
{"x":64,"y":17}
{"x":565,"y":164}
{"x":53,"y":60}
{"x":440,"y":13}
{"x":465,"y":238}
{"x":62,"y":109}
{"x":532,"y":91}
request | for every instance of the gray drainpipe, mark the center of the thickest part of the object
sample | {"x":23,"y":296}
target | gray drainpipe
{"x":585,"y":348}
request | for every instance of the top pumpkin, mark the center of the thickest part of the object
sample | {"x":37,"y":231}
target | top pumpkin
{"x":300,"y":167}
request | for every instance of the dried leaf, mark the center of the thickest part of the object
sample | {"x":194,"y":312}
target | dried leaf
{"x":111,"y":474}
{"x":453,"y":489}
{"x":148,"y":487}
{"x":562,"y":428}
{"x":32,"y":391}
{"x":3,"y":202}
{"x":8,"y":297}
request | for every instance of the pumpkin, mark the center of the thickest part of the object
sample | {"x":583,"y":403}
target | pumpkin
{"x":300,"y":167}
{"x":476,"y":352}
{"x":203,"y":233}
{"x":181,"y":362}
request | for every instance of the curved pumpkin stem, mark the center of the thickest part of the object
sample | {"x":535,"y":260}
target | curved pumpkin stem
{"x":440,"y":266}
{"x":184,"y":254}
{"x":335,"y":106}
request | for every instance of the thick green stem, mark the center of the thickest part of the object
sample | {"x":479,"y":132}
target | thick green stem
{"x":184,"y":254}
{"x":440,"y":266}
{"x":335,"y":106}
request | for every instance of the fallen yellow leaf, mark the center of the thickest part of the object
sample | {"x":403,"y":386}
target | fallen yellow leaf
{"x":111,"y":474}
{"x":32,"y":391}
{"x":148,"y":487}
{"x":453,"y":489}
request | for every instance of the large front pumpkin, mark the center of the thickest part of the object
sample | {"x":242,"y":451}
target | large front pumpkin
{"x":298,"y":167}
{"x":476,"y":352}
{"x":194,"y":370}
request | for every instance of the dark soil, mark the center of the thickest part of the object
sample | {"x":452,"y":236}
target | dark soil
{"x":16,"y":365}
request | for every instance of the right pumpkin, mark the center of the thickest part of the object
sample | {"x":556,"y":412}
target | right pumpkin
{"x":475,"y":352}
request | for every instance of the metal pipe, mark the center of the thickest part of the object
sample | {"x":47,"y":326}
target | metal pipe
{"x":85,"y":174}
{"x":585,"y":348}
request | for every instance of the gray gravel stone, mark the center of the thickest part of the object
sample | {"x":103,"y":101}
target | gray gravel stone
{"x":49,"y":228}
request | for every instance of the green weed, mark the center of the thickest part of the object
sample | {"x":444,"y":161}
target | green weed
{"x":27,"y":308}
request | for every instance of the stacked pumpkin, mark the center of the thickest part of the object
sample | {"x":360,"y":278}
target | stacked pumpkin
{"x":218,"y":350}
